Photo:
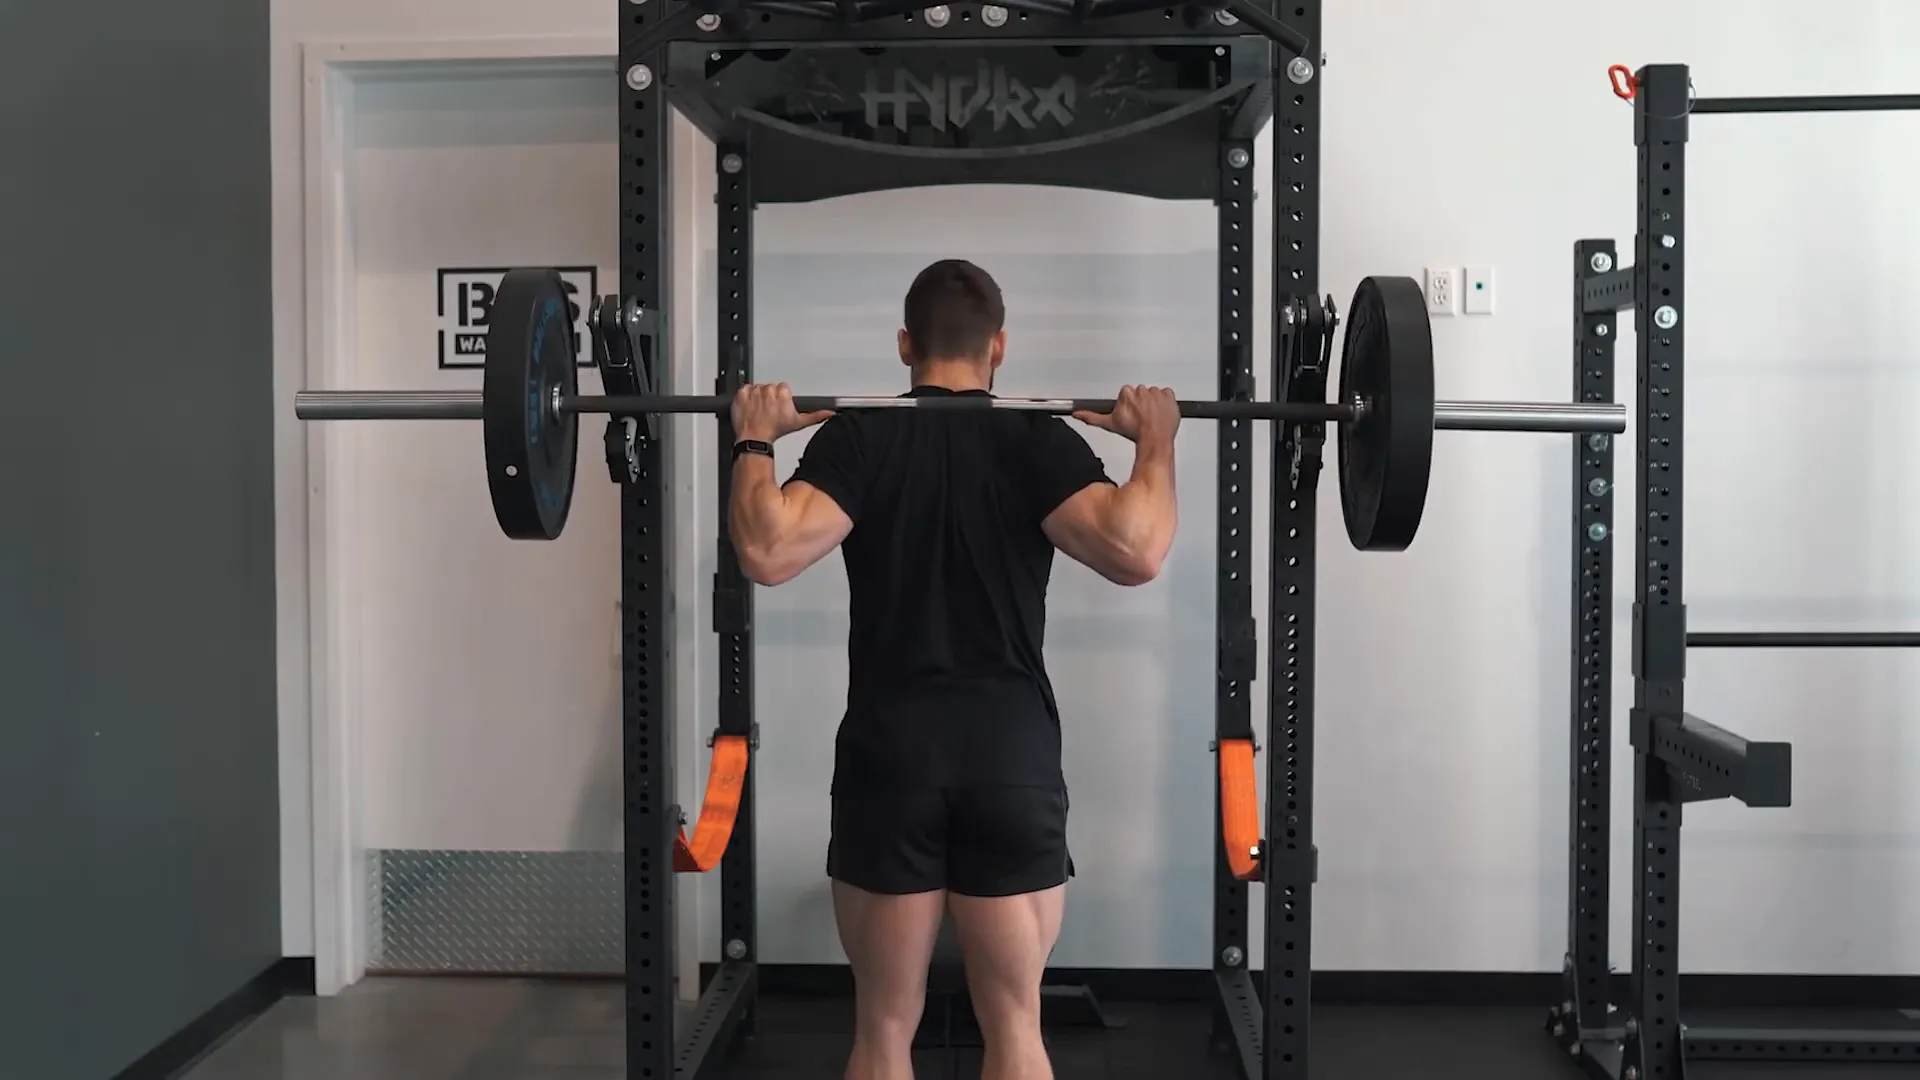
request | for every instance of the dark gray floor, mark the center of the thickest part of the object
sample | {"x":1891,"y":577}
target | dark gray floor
{"x":513,"y":1029}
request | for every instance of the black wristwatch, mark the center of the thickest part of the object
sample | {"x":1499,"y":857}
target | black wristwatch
{"x":751,"y":446}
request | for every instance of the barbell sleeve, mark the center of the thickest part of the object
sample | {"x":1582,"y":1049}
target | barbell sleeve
{"x":387,"y":405}
{"x":1447,"y":415}
{"x":1606,"y":419}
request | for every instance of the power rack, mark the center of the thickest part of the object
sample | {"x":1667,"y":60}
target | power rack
{"x":1678,"y":758}
{"x":810,"y":99}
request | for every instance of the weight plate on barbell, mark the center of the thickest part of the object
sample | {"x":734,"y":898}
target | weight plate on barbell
{"x":531,"y":454}
{"x":1386,"y":455}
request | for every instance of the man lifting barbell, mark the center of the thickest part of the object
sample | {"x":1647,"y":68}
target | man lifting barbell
{"x":947,"y":790}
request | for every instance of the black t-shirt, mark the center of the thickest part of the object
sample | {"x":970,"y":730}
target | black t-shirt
{"x":947,"y":572}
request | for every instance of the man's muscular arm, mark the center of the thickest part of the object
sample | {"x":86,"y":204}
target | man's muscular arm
{"x":779,"y":532}
{"x":1124,"y":533}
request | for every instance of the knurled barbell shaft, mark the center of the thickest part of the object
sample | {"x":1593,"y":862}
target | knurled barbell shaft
{"x":1447,"y":415}
{"x":1201,"y":410}
{"x":466,"y":405}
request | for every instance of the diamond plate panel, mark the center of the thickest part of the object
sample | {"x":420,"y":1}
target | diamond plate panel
{"x":496,"y":912}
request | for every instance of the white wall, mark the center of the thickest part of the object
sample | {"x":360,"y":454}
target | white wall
{"x":1480,"y":133}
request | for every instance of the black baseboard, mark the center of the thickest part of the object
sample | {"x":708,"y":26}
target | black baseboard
{"x":1470,"y":988}
{"x":291,"y":976}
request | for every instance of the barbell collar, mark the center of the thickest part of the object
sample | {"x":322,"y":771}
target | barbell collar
{"x":1447,"y":415}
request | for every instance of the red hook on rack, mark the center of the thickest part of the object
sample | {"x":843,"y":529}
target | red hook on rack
{"x":1625,"y":86}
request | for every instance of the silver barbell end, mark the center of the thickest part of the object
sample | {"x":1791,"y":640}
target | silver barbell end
{"x":1537,"y":416}
{"x":387,"y":405}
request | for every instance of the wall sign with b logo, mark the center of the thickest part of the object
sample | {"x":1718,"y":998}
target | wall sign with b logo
{"x":466,"y":308}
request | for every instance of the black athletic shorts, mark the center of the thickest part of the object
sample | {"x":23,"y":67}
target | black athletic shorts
{"x":975,"y":841}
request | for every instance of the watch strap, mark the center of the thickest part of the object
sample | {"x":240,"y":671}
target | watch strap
{"x":752,"y":446}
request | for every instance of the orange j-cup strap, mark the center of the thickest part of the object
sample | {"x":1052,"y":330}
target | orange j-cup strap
{"x":719,"y":810}
{"x":1240,"y":809}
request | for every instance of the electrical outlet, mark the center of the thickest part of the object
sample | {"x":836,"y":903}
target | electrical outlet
{"x":1442,"y":288}
{"x":1476,"y":292}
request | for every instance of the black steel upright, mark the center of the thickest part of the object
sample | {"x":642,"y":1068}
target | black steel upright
{"x":1236,"y":644}
{"x":1659,"y":653}
{"x":647,"y":743}
{"x":1290,"y":862}
{"x":1585,"y":996}
{"x":733,"y":595}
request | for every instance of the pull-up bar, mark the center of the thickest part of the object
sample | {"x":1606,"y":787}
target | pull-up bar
{"x":1833,"y":103}
{"x":1626,"y":87}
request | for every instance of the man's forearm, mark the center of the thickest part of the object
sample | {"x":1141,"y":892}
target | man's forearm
{"x":757,"y":512}
{"x":1143,"y":514}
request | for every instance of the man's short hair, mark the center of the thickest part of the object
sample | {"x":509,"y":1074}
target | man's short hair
{"x":953,"y":309}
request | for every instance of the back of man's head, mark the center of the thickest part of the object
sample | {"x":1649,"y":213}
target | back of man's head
{"x":953,"y":310}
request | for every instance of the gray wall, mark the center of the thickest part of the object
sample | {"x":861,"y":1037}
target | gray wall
{"x":139,"y":879}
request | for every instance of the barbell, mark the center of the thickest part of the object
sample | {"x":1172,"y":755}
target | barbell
{"x":471,"y":405}
{"x":529,"y":408}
